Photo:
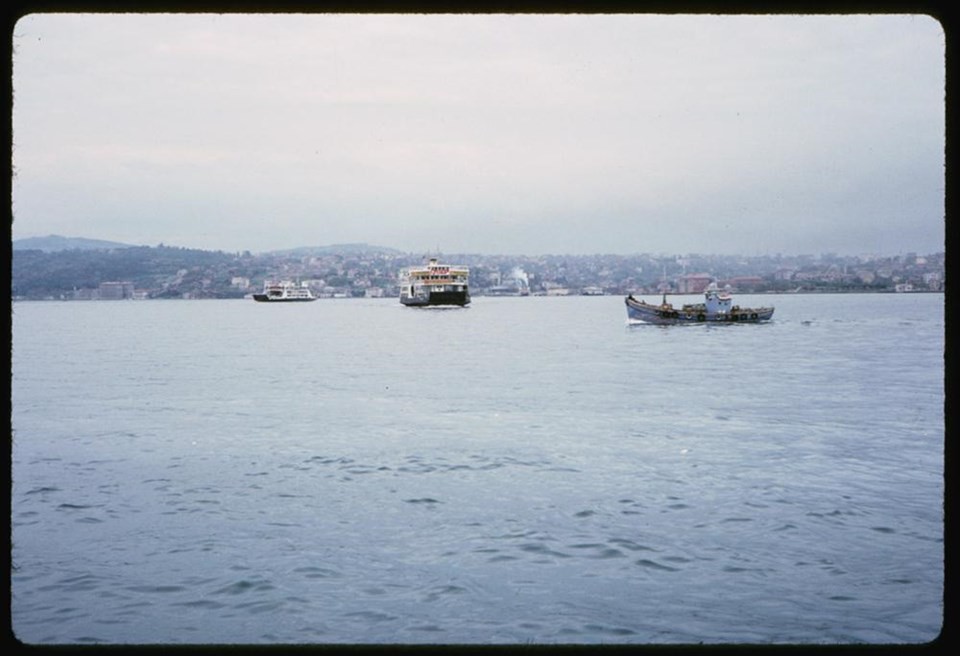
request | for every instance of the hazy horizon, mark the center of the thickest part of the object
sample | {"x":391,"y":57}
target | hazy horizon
{"x":493,"y":134}
{"x":441,"y":252}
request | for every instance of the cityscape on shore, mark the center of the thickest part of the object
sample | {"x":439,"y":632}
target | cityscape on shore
{"x":86,"y":272}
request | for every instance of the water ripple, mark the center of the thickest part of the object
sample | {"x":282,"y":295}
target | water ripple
{"x":652,"y":564}
{"x":554,"y":492}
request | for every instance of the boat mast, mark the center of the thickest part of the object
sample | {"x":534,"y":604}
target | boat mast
{"x":663,"y":285}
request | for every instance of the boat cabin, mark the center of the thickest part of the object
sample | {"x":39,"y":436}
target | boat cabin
{"x":717,"y":301}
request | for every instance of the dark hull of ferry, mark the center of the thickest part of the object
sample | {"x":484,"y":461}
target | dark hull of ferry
{"x":436,"y":298}
{"x":263,"y":298}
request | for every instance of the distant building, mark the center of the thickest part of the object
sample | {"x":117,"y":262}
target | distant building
{"x":933,"y":281}
{"x":84,"y":294}
{"x":693,"y":283}
{"x":115,"y":291}
{"x":745,"y":283}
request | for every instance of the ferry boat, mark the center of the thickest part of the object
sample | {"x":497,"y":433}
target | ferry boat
{"x":284,"y":291}
{"x":717,"y":307}
{"x":435,"y":284}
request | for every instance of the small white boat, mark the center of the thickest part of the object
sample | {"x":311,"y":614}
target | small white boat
{"x":284,"y":291}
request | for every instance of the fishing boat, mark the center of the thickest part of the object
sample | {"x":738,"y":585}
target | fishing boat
{"x":717,"y":308}
{"x":435,"y":284}
{"x":284,"y":291}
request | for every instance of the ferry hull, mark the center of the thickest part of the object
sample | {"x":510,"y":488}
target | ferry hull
{"x":647,"y":313}
{"x":436,"y":298}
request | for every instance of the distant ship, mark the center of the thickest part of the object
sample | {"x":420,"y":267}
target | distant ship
{"x":717,"y":307}
{"x":515,"y":289}
{"x":284,"y":291}
{"x":435,"y":284}
{"x":516,"y":283}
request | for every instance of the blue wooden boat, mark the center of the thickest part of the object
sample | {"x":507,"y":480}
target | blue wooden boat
{"x":717,"y":308}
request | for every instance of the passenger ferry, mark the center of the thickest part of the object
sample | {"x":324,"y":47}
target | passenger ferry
{"x":284,"y":291}
{"x":435,"y":284}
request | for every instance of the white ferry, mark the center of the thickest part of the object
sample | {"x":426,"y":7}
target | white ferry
{"x":435,"y":284}
{"x":284,"y":291}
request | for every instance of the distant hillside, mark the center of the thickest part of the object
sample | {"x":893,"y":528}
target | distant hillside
{"x":55,"y":243}
{"x":342,"y":249}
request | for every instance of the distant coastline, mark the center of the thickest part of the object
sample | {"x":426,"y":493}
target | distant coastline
{"x":62,"y":268}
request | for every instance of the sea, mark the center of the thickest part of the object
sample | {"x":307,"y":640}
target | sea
{"x":525,"y":471}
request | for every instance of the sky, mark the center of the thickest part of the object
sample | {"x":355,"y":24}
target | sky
{"x":483,"y":133}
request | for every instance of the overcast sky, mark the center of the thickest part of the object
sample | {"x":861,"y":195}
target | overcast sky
{"x":509,"y":134}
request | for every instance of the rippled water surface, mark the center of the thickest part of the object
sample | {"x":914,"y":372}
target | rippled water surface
{"x":524,"y":470}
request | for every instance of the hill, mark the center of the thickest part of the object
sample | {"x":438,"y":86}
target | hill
{"x":342,"y":249}
{"x":56,"y":243}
